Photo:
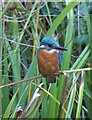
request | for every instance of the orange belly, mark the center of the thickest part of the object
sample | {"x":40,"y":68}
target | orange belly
{"x":48,"y":62}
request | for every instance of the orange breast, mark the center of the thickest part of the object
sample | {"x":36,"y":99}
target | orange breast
{"x":48,"y":62}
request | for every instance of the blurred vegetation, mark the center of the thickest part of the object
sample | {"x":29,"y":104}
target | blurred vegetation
{"x":23,"y":25}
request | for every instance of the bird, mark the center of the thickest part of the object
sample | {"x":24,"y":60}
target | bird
{"x":50,"y":56}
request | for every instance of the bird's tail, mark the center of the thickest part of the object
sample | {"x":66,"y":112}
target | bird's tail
{"x":50,"y":79}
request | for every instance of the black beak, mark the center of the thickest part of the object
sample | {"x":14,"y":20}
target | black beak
{"x":60,"y":48}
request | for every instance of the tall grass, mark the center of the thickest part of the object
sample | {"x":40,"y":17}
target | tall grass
{"x":20,"y":36}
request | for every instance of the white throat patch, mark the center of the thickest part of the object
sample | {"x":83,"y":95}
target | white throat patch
{"x":54,"y":50}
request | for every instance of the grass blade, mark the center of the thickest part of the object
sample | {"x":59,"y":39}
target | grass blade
{"x":60,"y":17}
{"x":80,"y":97}
{"x":7,"y":112}
{"x":71,"y":101}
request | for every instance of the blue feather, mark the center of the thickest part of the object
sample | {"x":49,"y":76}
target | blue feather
{"x":60,"y":57}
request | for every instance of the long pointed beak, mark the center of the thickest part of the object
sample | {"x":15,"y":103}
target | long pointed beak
{"x":60,"y":48}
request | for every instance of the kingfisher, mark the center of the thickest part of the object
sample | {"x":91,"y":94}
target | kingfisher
{"x":50,"y":55}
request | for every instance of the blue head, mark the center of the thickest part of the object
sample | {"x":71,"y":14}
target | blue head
{"x":49,"y":43}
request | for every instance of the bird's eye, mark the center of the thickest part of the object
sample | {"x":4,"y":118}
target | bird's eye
{"x":52,"y":46}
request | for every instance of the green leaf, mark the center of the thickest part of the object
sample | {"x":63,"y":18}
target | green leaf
{"x":7,"y":112}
